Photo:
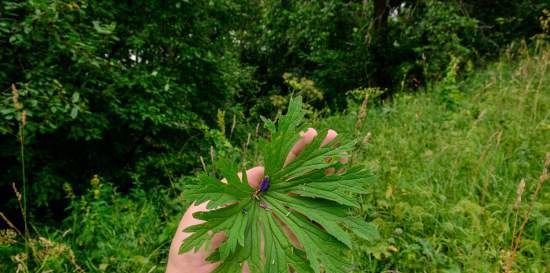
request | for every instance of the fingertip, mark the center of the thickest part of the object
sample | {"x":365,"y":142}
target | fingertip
{"x":330,"y":171}
{"x":344,"y":160}
{"x":345,"y":157}
{"x":291,"y":156}
{"x":255,"y":176}
{"x":217,"y":240}
{"x":331,"y":135}
{"x":305,"y":138}
{"x":309,"y":135}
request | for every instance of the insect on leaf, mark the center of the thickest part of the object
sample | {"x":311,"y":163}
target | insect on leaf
{"x":295,"y":198}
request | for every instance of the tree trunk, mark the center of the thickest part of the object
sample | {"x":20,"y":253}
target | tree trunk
{"x":381,"y":46}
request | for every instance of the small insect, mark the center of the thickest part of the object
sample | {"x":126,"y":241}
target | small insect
{"x":244,"y":211}
{"x":263,"y":187}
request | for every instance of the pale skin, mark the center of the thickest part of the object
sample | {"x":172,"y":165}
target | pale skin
{"x":195,"y":262}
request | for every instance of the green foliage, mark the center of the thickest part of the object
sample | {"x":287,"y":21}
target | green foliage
{"x":105,"y":232}
{"x":131,"y":90}
{"x":443,"y":200}
{"x":117,"y":88}
{"x":506,"y":20}
{"x":448,"y":172}
{"x":302,"y":87}
{"x":436,"y":34}
{"x":118,"y":232}
{"x":299,"y":195}
{"x":145,"y":92}
{"x":320,"y":40}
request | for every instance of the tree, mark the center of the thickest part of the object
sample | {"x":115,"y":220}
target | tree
{"x":125,"y":89}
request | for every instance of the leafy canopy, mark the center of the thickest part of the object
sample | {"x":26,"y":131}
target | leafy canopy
{"x":312,"y":205}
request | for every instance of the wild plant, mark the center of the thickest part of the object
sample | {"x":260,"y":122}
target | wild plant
{"x":298,"y":197}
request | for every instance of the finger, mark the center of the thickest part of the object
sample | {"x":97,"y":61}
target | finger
{"x":255,"y":176}
{"x":331,"y":135}
{"x":245,"y":268}
{"x":292,"y":237}
{"x":191,"y":259}
{"x":344,"y":159}
{"x":306,"y":138}
{"x":198,"y":258}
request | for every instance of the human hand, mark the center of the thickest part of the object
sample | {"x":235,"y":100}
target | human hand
{"x":195,"y":262}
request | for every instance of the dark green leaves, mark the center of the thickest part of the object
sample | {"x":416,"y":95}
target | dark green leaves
{"x":301,"y":200}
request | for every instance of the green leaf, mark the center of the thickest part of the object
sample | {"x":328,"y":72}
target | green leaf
{"x":74,"y":112}
{"x":301,"y":200}
{"x":104,"y":28}
{"x":76,"y":97}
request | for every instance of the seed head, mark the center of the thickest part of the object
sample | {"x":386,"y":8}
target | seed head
{"x":519,"y":193}
{"x":23,"y":118}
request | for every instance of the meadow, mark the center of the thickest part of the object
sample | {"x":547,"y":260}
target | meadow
{"x":449,"y":164}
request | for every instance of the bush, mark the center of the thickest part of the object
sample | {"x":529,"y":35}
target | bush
{"x":126,"y":90}
{"x":104,"y":232}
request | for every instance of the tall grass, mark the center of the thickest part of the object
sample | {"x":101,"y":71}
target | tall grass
{"x":448,"y":163}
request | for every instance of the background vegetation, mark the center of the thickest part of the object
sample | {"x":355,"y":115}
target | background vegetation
{"x":112,"y":106}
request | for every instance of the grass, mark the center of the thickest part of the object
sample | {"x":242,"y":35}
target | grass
{"x":448,"y":161}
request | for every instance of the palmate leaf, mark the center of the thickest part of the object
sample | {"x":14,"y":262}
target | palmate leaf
{"x":301,"y":199}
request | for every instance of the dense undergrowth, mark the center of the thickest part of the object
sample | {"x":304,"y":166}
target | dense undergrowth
{"x":448,"y":163}
{"x":136,"y":91}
